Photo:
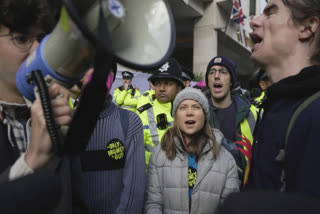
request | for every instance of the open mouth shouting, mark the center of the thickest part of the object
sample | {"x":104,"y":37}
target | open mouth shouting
{"x":217,"y":87}
{"x":256,"y":39}
{"x":190,"y":123}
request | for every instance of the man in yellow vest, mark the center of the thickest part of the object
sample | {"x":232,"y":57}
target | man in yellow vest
{"x":231,"y":113}
{"x":155,"y":112}
{"x":125,"y":95}
{"x":147,"y":95}
{"x":263,"y":82}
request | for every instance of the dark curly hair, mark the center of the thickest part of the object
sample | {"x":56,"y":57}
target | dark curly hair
{"x":300,"y":11}
{"x":23,"y":15}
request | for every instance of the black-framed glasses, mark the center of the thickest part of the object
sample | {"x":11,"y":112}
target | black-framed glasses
{"x":22,"y":41}
{"x":222,"y":70}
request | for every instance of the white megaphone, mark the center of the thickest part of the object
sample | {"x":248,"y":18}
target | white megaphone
{"x":142,"y":35}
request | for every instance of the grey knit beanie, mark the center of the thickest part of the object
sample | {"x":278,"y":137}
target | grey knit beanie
{"x":191,"y":94}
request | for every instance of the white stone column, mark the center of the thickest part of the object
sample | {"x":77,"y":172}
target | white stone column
{"x":204,"y":41}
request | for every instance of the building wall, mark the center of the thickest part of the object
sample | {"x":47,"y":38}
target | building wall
{"x":202,"y":34}
{"x":215,"y":34}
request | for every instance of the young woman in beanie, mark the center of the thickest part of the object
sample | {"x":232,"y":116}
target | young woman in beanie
{"x":190,"y":172}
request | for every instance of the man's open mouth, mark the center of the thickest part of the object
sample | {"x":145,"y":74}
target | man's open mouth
{"x":255,"y":38}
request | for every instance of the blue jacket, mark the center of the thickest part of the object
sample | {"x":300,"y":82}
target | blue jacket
{"x":114,"y":167}
{"x":302,"y":153}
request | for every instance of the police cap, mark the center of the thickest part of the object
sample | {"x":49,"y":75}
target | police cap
{"x":171,"y":69}
{"x":187,"y":74}
{"x":127,"y":75}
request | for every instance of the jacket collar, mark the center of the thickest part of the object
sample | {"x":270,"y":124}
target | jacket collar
{"x":15,"y":111}
{"x":207,"y":147}
{"x":206,"y":165}
{"x":305,"y":83}
{"x":242,"y":107}
{"x":108,"y":107}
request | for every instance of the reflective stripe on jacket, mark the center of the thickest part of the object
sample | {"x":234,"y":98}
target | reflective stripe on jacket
{"x":245,"y":121}
{"x":152,"y":133}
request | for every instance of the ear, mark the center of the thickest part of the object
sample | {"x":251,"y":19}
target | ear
{"x":309,"y":28}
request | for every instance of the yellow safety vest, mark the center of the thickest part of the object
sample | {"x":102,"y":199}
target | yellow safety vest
{"x":259,"y":99}
{"x":247,"y":127}
{"x":71,"y":103}
{"x":151,"y":132}
{"x":125,"y":99}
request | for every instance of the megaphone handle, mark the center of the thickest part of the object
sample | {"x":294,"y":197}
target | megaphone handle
{"x":54,"y":132}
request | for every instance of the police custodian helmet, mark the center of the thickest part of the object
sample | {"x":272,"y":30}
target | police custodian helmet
{"x":171,"y":69}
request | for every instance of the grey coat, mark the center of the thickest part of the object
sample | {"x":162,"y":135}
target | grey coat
{"x":167,"y":189}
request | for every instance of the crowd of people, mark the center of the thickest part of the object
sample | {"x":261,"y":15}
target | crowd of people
{"x":172,"y":148}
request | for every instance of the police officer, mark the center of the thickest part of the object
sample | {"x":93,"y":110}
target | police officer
{"x":125,"y":95}
{"x":187,"y":76}
{"x":264,"y":82}
{"x":147,"y":95}
{"x":155,"y":113}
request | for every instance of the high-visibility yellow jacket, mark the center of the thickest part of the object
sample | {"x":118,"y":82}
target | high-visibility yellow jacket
{"x":258,"y":100}
{"x":145,"y":98}
{"x":245,"y":121}
{"x":126,"y":99}
{"x":72,"y":103}
{"x":149,"y":111}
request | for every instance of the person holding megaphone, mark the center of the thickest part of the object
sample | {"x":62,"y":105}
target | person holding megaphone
{"x":26,"y":153}
{"x":87,"y":32}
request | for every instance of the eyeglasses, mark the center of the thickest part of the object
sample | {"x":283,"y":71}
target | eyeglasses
{"x":222,"y":70}
{"x":23,"y":42}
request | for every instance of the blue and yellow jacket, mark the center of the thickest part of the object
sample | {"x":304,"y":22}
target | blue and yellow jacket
{"x":245,"y":121}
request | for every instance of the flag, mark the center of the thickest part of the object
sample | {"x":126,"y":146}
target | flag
{"x":238,"y":17}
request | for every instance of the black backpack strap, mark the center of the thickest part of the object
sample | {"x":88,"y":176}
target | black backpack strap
{"x":99,"y":160}
{"x":280,"y":158}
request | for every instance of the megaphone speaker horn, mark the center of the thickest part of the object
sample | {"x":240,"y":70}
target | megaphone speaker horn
{"x":141,"y":34}
{"x":142,"y":31}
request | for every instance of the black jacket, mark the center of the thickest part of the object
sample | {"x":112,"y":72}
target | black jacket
{"x":54,"y":189}
{"x":303,"y":146}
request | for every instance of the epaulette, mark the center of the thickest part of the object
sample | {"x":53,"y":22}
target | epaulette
{"x":144,"y":107}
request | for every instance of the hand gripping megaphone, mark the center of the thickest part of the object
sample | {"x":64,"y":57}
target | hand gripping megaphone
{"x":141,"y":34}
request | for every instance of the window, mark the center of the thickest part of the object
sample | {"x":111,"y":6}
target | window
{"x":252,"y":11}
